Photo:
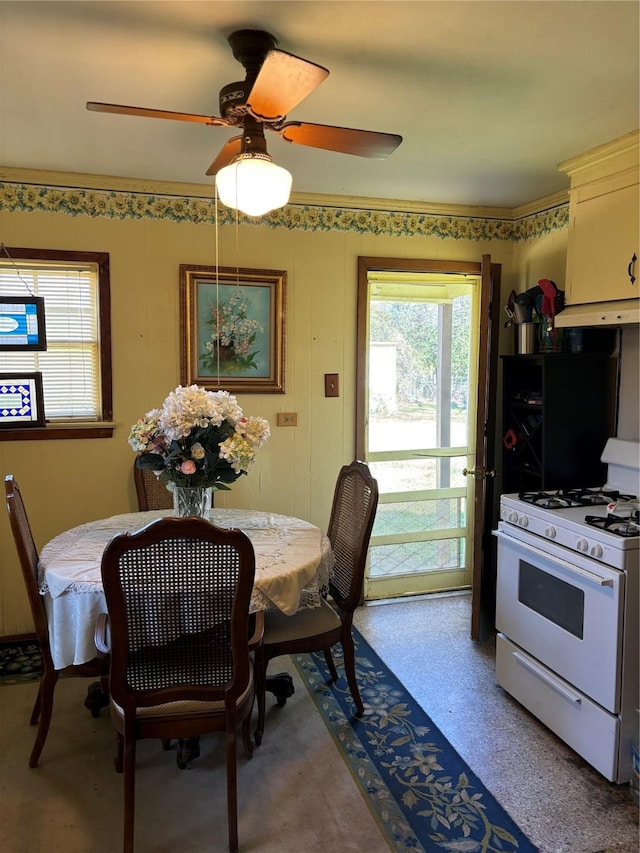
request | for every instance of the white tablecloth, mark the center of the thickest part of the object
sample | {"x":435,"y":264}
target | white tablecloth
{"x":293,"y":564}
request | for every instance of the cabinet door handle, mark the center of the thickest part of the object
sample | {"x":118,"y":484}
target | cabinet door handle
{"x":632,"y":277}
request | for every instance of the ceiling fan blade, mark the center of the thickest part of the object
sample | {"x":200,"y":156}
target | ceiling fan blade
{"x":121,"y":109}
{"x":225,"y":156}
{"x":282,"y":82}
{"x":346,"y":140}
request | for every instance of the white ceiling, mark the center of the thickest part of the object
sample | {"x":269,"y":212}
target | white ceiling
{"x":489,"y":96}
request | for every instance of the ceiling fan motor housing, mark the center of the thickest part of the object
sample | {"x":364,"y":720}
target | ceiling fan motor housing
{"x":233,"y":101}
{"x":250,"y":48}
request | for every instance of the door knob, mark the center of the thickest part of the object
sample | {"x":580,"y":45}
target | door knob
{"x":478,"y":472}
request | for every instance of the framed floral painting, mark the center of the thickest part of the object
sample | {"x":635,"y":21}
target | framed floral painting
{"x":232,"y":328}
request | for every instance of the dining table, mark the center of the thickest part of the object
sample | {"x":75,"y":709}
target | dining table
{"x":293,"y":565}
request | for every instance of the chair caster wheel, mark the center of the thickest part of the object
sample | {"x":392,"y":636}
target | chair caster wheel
{"x":188,"y":749}
{"x":281,"y":686}
{"x":96,"y":699}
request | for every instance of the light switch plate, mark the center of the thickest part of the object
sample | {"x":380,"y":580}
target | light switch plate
{"x":331,"y":385}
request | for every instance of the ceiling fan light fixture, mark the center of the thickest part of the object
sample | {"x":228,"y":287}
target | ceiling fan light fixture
{"x":254,"y":184}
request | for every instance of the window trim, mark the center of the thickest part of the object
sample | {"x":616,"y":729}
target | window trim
{"x":77,"y":429}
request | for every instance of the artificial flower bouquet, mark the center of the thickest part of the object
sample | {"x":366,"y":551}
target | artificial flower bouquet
{"x":198,"y":438}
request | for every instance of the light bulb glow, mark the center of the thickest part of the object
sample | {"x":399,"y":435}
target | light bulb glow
{"x":253,"y":184}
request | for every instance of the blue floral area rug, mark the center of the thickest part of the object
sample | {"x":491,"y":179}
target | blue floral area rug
{"x":423,"y":795}
{"x":20,"y":661}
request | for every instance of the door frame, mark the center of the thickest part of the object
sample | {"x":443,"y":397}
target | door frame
{"x":483,"y":582}
{"x":483,"y":568}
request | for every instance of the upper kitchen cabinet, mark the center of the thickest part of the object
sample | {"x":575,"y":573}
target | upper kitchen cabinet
{"x":603,"y":244}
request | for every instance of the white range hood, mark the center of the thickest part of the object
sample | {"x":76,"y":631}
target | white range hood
{"x":619,"y":313}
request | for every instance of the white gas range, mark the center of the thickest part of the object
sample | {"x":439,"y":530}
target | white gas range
{"x":567,"y":610}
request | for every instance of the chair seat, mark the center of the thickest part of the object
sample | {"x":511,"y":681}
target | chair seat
{"x":190,"y":707}
{"x":308,"y":622}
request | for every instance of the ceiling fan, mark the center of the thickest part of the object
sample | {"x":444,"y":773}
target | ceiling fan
{"x":275,"y":83}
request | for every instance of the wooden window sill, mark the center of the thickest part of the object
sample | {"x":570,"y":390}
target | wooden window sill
{"x":57,"y":431}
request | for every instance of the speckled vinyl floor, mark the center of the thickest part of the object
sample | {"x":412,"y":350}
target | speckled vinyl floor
{"x":73,"y":802}
{"x":558,"y":800}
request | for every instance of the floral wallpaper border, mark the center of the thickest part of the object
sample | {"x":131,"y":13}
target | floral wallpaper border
{"x":133,"y":205}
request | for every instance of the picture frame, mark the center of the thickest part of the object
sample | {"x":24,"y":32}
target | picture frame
{"x":22,"y":324}
{"x":232,"y":329}
{"x":21,"y":400}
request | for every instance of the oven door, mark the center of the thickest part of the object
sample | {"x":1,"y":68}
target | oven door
{"x":563,"y":609}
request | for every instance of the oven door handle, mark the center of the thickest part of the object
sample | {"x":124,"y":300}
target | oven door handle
{"x":543,"y":676}
{"x":569,"y":567}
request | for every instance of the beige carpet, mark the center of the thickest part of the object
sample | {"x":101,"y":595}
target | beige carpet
{"x":296,"y":794}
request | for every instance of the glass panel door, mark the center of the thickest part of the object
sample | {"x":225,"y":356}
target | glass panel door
{"x":419,"y":429}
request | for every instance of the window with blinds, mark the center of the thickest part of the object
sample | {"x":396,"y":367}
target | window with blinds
{"x":75,"y":292}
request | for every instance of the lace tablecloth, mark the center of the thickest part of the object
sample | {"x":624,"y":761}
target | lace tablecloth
{"x":293,"y":564}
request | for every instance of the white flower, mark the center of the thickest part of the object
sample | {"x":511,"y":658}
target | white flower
{"x":184,"y":409}
{"x":255,"y":430}
{"x":225,"y":408}
{"x":197,"y":451}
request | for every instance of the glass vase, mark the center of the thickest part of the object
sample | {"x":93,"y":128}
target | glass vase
{"x":190,"y":501}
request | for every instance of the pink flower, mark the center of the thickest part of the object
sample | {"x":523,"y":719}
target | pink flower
{"x":188,"y":467}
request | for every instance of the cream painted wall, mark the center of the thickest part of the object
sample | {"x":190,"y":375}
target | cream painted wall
{"x":544,"y":257}
{"x":66,"y":483}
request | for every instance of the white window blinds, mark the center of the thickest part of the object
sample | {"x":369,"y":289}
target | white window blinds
{"x":70,"y":366}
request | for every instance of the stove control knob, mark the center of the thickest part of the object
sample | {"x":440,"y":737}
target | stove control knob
{"x":524,"y":521}
{"x":582,"y":545}
{"x":513,"y":517}
{"x":597,"y":551}
{"x":550,"y":533}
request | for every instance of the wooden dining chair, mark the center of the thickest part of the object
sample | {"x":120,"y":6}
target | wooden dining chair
{"x":151,"y":493}
{"x":95,"y":668}
{"x":319,"y":628}
{"x":178,"y":593}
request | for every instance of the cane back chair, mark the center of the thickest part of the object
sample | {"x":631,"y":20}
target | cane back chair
{"x":95,"y":668}
{"x":318,"y":629}
{"x":151,"y":492}
{"x":178,"y":593}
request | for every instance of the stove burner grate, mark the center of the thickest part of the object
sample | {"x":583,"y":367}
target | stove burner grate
{"x":565,"y":498}
{"x":549,"y":500}
{"x":629,"y":526}
{"x":598,"y":497}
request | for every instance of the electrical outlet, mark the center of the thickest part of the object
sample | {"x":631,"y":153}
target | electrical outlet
{"x":287,"y":419}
